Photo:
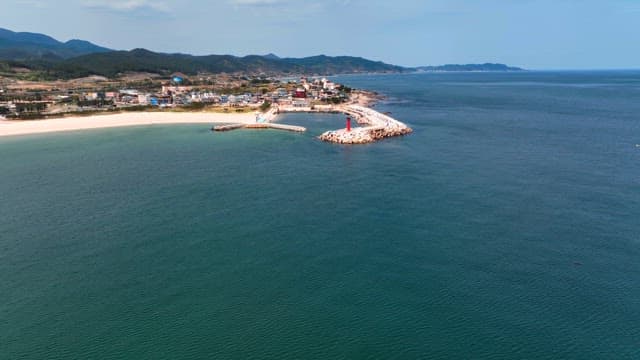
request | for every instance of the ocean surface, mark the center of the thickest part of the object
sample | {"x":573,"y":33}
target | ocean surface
{"x":507,"y":226}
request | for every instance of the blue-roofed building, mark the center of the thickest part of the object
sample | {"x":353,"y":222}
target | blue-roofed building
{"x":178,"y":78}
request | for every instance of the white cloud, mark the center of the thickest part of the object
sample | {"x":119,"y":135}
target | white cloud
{"x":127,"y":5}
{"x":258,"y":2}
{"x":33,"y":3}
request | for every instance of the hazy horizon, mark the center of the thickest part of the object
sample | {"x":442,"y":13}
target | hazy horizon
{"x":545,"y":35}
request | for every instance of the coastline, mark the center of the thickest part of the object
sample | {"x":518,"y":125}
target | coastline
{"x":99,"y":121}
{"x":27,"y":127}
{"x":359,"y":106}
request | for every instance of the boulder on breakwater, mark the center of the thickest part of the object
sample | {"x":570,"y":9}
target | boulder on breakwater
{"x":362,"y":135}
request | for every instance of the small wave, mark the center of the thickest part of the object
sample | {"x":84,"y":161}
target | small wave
{"x":396,"y":101}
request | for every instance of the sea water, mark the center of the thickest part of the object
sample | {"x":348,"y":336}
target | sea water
{"x":506,"y":226}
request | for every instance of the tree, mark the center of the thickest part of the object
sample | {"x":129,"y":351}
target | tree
{"x":265,"y":106}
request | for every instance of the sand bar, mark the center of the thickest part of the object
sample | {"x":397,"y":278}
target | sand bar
{"x":24,"y":127}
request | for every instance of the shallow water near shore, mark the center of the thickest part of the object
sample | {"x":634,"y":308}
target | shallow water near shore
{"x":505,"y":226}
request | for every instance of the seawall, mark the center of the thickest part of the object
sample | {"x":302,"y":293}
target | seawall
{"x":377,"y":126}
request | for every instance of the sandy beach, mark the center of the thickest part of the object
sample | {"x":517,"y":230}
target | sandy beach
{"x":24,"y":127}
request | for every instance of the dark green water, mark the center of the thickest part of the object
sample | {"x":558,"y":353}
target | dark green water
{"x":506,"y":227}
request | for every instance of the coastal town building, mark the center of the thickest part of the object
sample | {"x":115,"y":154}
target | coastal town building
{"x":212,"y":91}
{"x":300,"y":93}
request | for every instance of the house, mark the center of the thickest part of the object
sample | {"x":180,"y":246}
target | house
{"x":129,"y":92}
{"x":301,"y":103}
{"x":143,"y":99}
{"x":329,"y":86}
{"x":169,"y":90}
{"x":161,"y":100}
{"x":300,"y":93}
{"x":284,"y":101}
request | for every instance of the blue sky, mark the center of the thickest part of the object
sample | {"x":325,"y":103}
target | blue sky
{"x":536,"y":34}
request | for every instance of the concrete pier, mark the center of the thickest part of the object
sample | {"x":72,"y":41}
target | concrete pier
{"x":259,"y":126}
{"x":276,"y":126}
{"x":263,"y":121}
{"x":228,"y":127}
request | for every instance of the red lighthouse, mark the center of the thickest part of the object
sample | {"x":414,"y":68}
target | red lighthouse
{"x":348,"y":123}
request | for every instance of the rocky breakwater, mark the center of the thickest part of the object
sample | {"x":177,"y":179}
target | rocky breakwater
{"x":376,"y":126}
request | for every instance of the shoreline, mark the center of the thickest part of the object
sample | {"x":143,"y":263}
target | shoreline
{"x":28,"y":127}
{"x":377,"y":125}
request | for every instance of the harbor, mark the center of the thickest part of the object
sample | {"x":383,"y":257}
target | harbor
{"x":263,"y":121}
{"x":373,"y":125}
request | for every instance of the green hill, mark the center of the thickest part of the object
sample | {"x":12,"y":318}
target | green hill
{"x":111,"y":64}
{"x":25,"y":46}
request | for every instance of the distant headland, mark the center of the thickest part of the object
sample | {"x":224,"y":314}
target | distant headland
{"x":468,"y":68}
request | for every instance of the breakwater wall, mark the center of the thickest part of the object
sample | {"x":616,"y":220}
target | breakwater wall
{"x":374,"y":126}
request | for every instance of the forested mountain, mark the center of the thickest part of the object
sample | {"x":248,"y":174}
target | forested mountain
{"x":112,"y":63}
{"x":31,"y":46}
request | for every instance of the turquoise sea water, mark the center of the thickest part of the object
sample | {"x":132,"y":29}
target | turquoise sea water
{"x":505,"y":227}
